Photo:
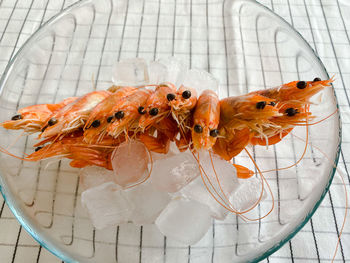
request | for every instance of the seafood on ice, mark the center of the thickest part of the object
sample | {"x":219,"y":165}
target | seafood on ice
{"x":171,"y":140}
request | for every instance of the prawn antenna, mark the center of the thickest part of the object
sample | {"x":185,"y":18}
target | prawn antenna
{"x":5,"y":151}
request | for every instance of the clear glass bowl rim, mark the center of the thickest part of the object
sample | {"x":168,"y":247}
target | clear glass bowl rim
{"x":62,"y":255}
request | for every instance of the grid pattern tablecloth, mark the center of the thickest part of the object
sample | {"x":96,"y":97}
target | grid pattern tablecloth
{"x":325,"y":24}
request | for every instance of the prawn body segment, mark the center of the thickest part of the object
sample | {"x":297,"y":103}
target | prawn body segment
{"x":33,"y":118}
{"x":74,"y":147}
{"x":74,"y":115}
{"x":183,"y":101}
{"x":125,"y":115}
{"x":295,"y":92}
{"x":232,"y":143}
{"x":157,"y":106}
{"x":102,"y":115}
{"x":206,"y":120}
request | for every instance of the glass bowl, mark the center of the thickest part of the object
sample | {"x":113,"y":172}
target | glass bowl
{"x":243,"y":44}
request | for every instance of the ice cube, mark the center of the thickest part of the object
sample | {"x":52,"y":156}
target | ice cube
{"x":133,"y":72}
{"x":106,"y":205}
{"x":173,"y":173}
{"x":184,"y":220}
{"x":173,"y":150}
{"x":157,"y":72}
{"x":220,"y":172}
{"x":92,"y":176}
{"x":130,"y":163}
{"x":197,"y":191}
{"x":247,"y":194}
{"x":147,"y":201}
{"x":175,"y":70}
{"x":226,"y":175}
{"x":201,"y":80}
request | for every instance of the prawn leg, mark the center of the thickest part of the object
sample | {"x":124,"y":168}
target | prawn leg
{"x":167,"y":126}
{"x":271,"y":140}
{"x":228,"y":148}
{"x":159,"y":144}
{"x":184,"y":142}
{"x":243,"y":172}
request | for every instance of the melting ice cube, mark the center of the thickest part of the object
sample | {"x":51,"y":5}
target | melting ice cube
{"x":201,"y":80}
{"x":157,"y":72}
{"x":173,"y":173}
{"x":131,"y":72}
{"x":173,"y":150}
{"x":184,"y":220}
{"x":147,"y":201}
{"x":197,"y":191}
{"x":106,"y":205}
{"x":247,"y":194}
{"x":220,"y":172}
{"x":175,"y":70}
{"x":225,"y":184}
{"x":92,"y":176}
{"x":130,"y":163}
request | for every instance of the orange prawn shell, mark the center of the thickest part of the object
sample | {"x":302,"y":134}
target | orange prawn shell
{"x":180,"y":104}
{"x":290,"y":91}
{"x":207,"y":115}
{"x":158,"y":100}
{"x":104,"y":108}
{"x":34,"y":117}
{"x":244,"y":108}
{"x":102,"y":111}
{"x":75,"y":148}
{"x":73,"y":115}
{"x":129,"y":105}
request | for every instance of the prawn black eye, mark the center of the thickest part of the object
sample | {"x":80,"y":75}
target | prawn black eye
{"x":272,"y":103}
{"x":197,"y":128}
{"x":214,"y":133}
{"x":317,"y":79}
{"x":52,"y":121}
{"x":119,"y":115}
{"x":170,"y":96}
{"x":261,"y":105}
{"x":186,"y":94}
{"x":38,"y":148}
{"x":153,"y":111}
{"x":291,"y":112}
{"x":141,"y":110}
{"x":95,"y":123}
{"x":17,"y":117}
{"x":301,"y":85}
{"x":109,"y":119}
